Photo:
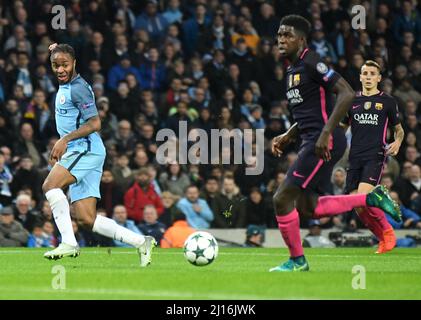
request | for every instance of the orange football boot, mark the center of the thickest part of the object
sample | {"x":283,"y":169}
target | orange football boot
{"x":388,"y":243}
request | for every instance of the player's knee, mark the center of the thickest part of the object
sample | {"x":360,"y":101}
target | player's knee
{"x":87,"y":222}
{"x":359,"y":210}
{"x":283,"y":201}
{"x":46,"y":186}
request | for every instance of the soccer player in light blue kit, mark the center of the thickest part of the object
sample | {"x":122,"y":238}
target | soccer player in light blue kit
{"x":77,"y":159}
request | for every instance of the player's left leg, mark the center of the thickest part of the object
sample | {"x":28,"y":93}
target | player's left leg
{"x":289,"y":225}
{"x":84,"y":198}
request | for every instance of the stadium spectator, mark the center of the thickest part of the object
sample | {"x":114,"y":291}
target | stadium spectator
{"x":150,"y":225}
{"x":6,"y":178}
{"x":152,"y":72}
{"x":111,"y":193}
{"x":27,"y":176}
{"x":169,"y":202}
{"x":194,"y":30}
{"x":12,"y":233}
{"x":24,"y":213}
{"x":173,"y":14}
{"x":409,"y":188}
{"x":122,"y":173}
{"x":410,"y":219}
{"x":230,"y":199}
{"x":152,"y":21}
{"x":210,"y":191}
{"x":407,"y":20}
{"x":320,"y":44}
{"x":120,"y":216}
{"x":197,"y":211}
{"x":141,"y":194}
{"x":42,"y":236}
{"x":258,"y":211}
{"x":177,"y":234}
{"x":119,"y":71}
{"x":266,"y":23}
{"x":314,"y":238}
{"x":124,"y":138}
{"x":174,"y":180}
{"x":241,"y":56}
{"x":27,"y":144}
{"x":255,"y":236}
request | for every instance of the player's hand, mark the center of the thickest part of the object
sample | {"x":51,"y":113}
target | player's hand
{"x":279,"y":143}
{"x":197,"y":208}
{"x":393,"y":148}
{"x":52,"y":162}
{"x":322,"y":146}
{"x":58,"y":150}
{"x":52,"y":46}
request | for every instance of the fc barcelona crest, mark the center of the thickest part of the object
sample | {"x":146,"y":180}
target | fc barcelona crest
{"x":379,"y":106}
{"x":296,"y":80}
{"x":367,"y":105}
{"x":293,"y":80}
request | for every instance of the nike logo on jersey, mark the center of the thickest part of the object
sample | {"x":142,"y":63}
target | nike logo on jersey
{"x":296,"y":174}
{"x":371,"y":179}
{"x":355,"y":107}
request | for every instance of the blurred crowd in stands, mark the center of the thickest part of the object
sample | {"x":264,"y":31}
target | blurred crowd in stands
{"x":213,"y":64}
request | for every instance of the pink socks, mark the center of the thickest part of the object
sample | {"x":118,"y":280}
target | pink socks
{"x":333,"y":205}
{"x":289,"y":225}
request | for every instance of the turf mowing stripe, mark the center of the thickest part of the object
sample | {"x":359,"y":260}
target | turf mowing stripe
{"x":220,"y":253}
{"x":138,"y":293}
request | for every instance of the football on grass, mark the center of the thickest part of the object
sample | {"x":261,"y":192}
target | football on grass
{"x":200,"y":248}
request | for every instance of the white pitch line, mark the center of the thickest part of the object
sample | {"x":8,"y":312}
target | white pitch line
{"x":138,"y":293}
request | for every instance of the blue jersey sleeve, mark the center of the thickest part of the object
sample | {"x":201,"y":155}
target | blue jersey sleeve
{"x":83,"y":98}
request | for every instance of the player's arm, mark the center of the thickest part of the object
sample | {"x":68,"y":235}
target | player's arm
{"x":92,"y":125}
{"x":344,"y":126}
{"x":281,"y":141}
{"x":394,"y":147}
{"x":394,"y":120}
{"x":344,"y":98}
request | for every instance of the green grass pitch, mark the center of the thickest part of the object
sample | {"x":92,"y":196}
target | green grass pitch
{"x":237,"y":273}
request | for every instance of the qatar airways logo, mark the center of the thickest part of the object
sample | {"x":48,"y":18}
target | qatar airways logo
{"x":367,"y":118}
{"x":294,"y":96}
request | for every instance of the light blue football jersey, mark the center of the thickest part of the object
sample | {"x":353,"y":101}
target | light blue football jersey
{"x":75,"y":104}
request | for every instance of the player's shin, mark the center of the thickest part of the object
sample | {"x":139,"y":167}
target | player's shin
{"x":61,"y":213}
{"x":333,"y":205}
{"x":109,"y":228}
{"x":289,"y":226}
{"x":379,"y":216}
{"x":371,"y":223}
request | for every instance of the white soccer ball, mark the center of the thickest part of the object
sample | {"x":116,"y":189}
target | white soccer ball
{"x":200,"y":248}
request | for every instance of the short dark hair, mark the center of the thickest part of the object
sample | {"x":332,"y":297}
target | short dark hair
{"x":64,"y":48}
{"x":298,"y":22}
{"x":371,"y":63}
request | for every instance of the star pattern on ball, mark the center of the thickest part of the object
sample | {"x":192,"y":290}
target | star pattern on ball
{"x":199,"y":252}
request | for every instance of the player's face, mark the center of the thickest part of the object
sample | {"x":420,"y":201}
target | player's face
{"x":63,"y":66}
{"x":370,"y":77}
{"x":289,"y":41}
